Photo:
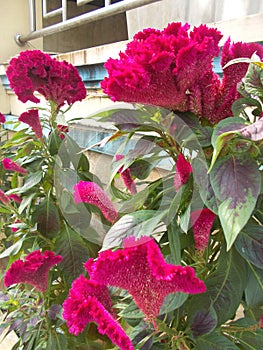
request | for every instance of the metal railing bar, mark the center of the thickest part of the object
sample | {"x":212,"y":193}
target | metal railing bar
{"x":83,"y":2}
{"x":32,"y":14}
{"x":53,"y":13}
{"x":89,"y":17}
{"x":64,"y":10}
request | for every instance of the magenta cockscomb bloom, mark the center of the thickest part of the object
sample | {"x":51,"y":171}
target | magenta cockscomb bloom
{"x":31,"y":118}
{"x":202,"y":221}
{"x":4,"y":198}
{"x":34,"y":270}
{"x":183,"y":169}
{"x":163,"y":67}
{"x":2,"y":118}
{"x":62,"y":129}
{"x":89,"y":301}
{"x":173,"y":68}
{"x":9,"y":164}
{"x":34,"y":70}
{"x":15,"y":197}
{"x":91,"y":193}
{"x":126,"y":176}
{"x":141,"y":269}
{"x":233,"y":74}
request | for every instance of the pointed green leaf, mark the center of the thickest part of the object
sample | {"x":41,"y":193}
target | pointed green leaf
{"x":236,"y":182}
{"x":141,"y":223}
{"x":223,"y":132}
{"x":247,"y":334}
{"x":250,"y":244}
{"x":74,"y":251}
{"x":31,"y":181}
{"x":254,"y":288}
{"x":225,"y":288}
{"x":214,"y":341}
{"x":46,"y":216}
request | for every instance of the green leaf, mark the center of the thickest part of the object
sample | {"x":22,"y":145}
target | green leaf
{"x":46,"y":216}
{"x":239,"y":107}
{"x":247,"y":334}
{"x":214,"y":341}
{"x":224,"y":131}
{"x":54,"y":142}
{"x":236,"y":182}
{"x":190,"y":132}
{"x":12,"y":250}
{"x":253,"y":81}
{"x":172,"y":302}
{"x":203,"y":182}
{"x":31,"y":181}
{"x":254,"y":288}
{"x":174,"y":242}
{"x":225,"y":287}
{"x":74,"y":252}
{"x":141,"y":223}
{"x":56,"y":341}
{"x":250,"y":244}
{"x":132,"y":311}
{"x":203,"y":322}
{"x":26,"y":202}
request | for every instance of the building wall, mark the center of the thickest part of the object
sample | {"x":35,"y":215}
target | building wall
{"x":14,"y":19}
{"x":108,"y":30}
{"x":194,"y":12}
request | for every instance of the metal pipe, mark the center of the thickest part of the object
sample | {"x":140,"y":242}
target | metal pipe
{"x":89,"y":17}
{"x":32,"y":15}
{"x":64,"y":10}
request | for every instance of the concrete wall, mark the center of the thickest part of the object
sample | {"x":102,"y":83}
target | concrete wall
{"x":195,"y":12}
{"x":14,"y":19}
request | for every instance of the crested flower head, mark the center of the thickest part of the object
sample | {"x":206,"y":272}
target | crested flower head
{"x":4,"y":198}
{"x":183,"y":170}
{"x":31,"y":118}
{"x":57,"y":81}
{"x":126,"y":176}
{"x":9,"y":164}
{"x":2,"y":118}
{"x":91,"y":193}
{"x":202,"y":221}
{"x":162,"y":68}
{"x":15,"y":197}
{"x":141,"y":269}
{"x":34,"y":270}
{"x":62,"y":129}
{"x":89,"y":301}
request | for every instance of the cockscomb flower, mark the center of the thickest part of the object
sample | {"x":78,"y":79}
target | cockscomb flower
{"x":202,"y":221}
{"x":9,"y":164}
{"x":34,"y":70}
{"x":31,"y":118}
{"x":4,"y":198}
{"x":141,"y":269}
{"x":183,"y":169}
{"x":91,"y":193}
{"x":34,"y":270}
{"x":62,"y":129}
{"x":88,"y":301}
{"x":15,"y":197}
{"x":2,"y":118}
{"x":126,"y":176}
{"x":162,"y":68}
